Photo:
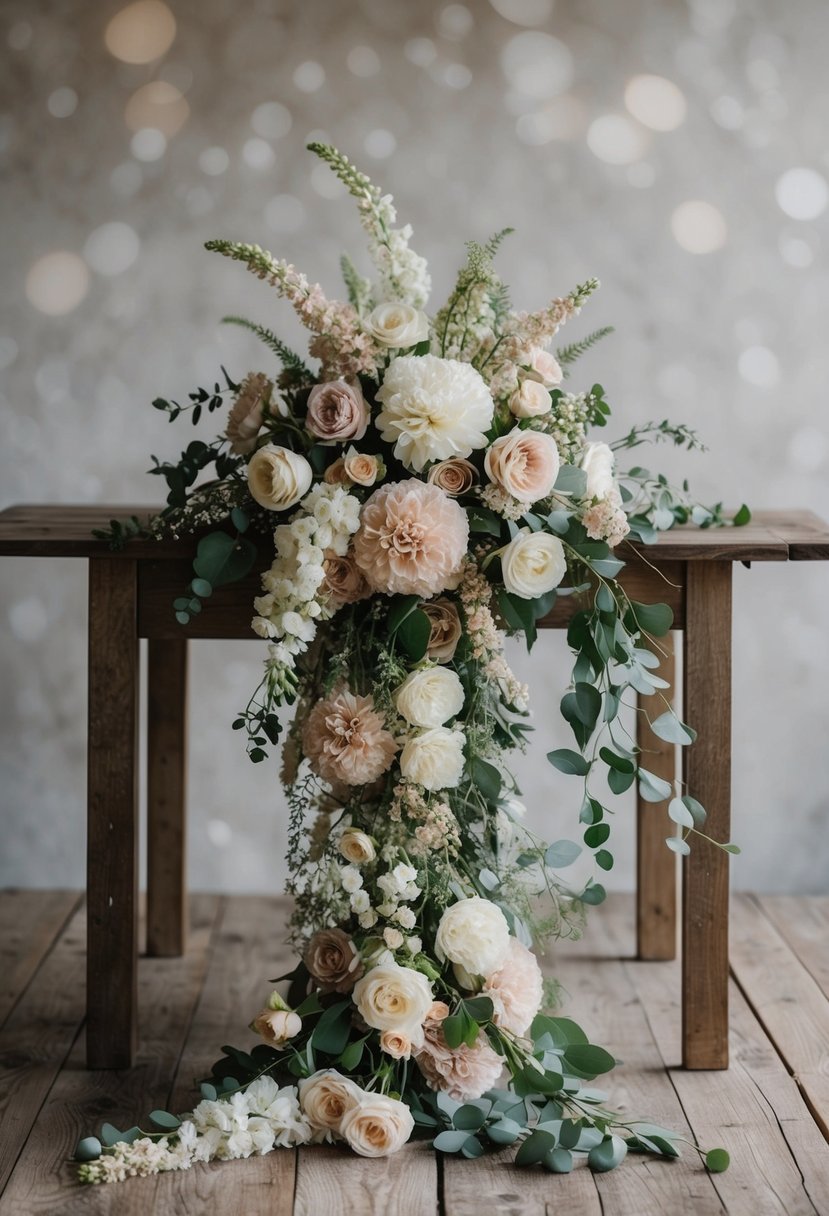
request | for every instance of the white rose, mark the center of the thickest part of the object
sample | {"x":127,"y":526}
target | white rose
{"x":532,"y":564}
{"x":327,"y":1097}
{"x":390,"y":997}
{"x":357,"y":847}
{"x":351,"y":879}
{"x":276,"y":1026}
{"x":597,"y":461}
{"x":379,"y":1126}
{"x":398,"y":325}
{"x":434,"y":759}
{"x":278,"y":478}
{"x":530,"y":400}
{"x":392,"y":937}
{"x":474,"y":934}
{"x":430,"y":697}
{"x":545,"y":367}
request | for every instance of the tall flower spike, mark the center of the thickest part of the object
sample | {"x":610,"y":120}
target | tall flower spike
{"x":404,"y":274}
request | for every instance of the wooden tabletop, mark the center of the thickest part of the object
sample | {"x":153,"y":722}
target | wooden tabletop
{"x":66,"y":531}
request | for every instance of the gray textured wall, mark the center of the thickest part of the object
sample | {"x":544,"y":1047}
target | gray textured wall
{"x":496,"y":112}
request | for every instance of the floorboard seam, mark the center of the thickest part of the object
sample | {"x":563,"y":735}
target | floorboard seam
{"x":785,"y":1139}
{"x":59,"y":932}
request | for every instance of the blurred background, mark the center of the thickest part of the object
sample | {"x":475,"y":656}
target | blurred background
{"x":675,"y":148}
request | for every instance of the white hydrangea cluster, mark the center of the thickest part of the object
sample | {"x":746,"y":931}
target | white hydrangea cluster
{"x":248,"y":1123}
{"x":291,"y":605}
{"x":395,"y":890}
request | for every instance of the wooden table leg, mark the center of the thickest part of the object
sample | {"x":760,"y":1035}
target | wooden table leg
{"x":112,"y":814}
{"x":656,"y":865}
{"x":166,"y":796}
{"x":707,"y":772}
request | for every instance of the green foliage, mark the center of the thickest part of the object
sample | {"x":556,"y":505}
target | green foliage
{"x":290,"y":360}
{"x":120,"y":531}
{"x":567,"y":355}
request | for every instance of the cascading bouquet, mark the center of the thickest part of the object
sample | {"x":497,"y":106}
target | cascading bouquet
{"x":432,"y":488}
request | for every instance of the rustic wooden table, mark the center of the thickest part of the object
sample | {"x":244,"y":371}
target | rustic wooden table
{"x":130,"y":594}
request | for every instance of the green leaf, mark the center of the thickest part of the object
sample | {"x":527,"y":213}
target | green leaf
{"x":163,"y":1119}
{"x":568,"y":761}
{"x":655,"y":619}
{"x":608,"y":567}
{"x":653,"y":788}
{"x":505,"y":1131}
{"x":558,"y":1161}
{"x":588,"y":704}
{"x":561,"y":853}
{"x":717,"y":1160}
{"x":677,"y":845}
{"x":454,"y":1030}
{"x":483,"y":520}
{"x":109,"y":1135}
{"x":479,"y":1007}
{"x":731,"y":848}
{"x":620,"y":763}
{"x":468,"y":1118}
{"x":571,"y":480}
{"x":183,"y":618}
{"x":607,"y":1155}
{"x":486,"y":777}
{"x":401,"y":607}
{"x":604,"y":859}
{"x":88,"y":1149}
{"x":450,"y":1141}
{"x":742,"y":517}
{"x":696,"y":808}
{"x":332,"y":1030}
{"x":414,"y":632}
{"x":620,"y":782}
{"x":588,"y":1059}
{"x":535,"y":1148}
{"x":596,"y":835}
{"x":208,"y":1091}
{"x":239,"y":519}
{"x":563,"y":1031}
{"x":201,"y":587}
{"x":311,"y":1004}
{"x":668,"y":727}
{"x":222,"y":559}
{"x":352,"y":1055}
{"x":519,"y":613}
{"x":593,"y":894}
{"x":473,"y":1148}
{"x":678,"y":811}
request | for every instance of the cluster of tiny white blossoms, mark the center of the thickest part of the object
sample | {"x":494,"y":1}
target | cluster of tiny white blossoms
{"x":248,"y":1123}
{"x":395,"y":890}
{"x":606,"y":520}
{"x":504,"y":504}
{"x":404,"y":274}
{"x":292,"y":603}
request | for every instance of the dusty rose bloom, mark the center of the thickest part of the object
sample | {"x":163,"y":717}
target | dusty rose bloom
{"x":344,"y":580}
{"x":335,"y":474}
{"x":463,"y":1074}
{"x":446,"y":629}
{"x":516,"y":989}
{"x":345,"y":740}
{"x":333,"y":961}
{"x":524,"y":463}
{"x":412,"y":539}
{"x":337,"y":411}
{"x":454,"y":476}
{"x":247,"y":413}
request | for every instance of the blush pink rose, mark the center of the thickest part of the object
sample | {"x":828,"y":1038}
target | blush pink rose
{"x":464,"y":1073}
{"x":546,"y":367}
{"x":524,"y":463}
{"x":345,"y":740}
{"x":337,"y":411}
{"x":412,"y":539}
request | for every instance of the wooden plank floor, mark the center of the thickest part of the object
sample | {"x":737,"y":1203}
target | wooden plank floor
{"x":770,"y":1110}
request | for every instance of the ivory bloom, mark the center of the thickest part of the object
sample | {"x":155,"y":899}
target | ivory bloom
{"x":430,"y":697}
{"x":474,"y":934}
{"x":277,"y":1026}
{"x":398,"y":325}
{"x":434,"y":758}
{"x":545,"y":367}
{"x":361,"y":467}
{"x":530,"y":399}
{"x":378,"y":1126}
{"x":532,"y":564}
{"x":357,"y":847}
{"x":597,"y":460}
{"x":412,"y":539}
{"x":278,"y":478}
{"x":524,"y":463}
{"x":326,"y":1097}
{"x":516,"y":989}
{"x":390,"y":997}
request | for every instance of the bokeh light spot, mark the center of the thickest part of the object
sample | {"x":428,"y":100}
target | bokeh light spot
{"x":616,"y":140}
{"x":271,"y":120}
{"x":656,"y":101}
{"x":537,"y":65}
{"x":698,"y":226}
{"x":158,"y":105}
{"x":759,"y":366}
{"x":258,"y":154}
{"x":148,"y":144}
{"x":455,"y":21}
{"x":420,"y":51}
{"x":57,"y":283}
{"x":380,"y":143}
{"x":524,"y":12}
{"x":796,"y":252}
{"x":802,"y":193}
{"x":363,"y":61}
{"x":309,"y":76}
{"x":214,"y":161}
{"x":141,"y":32}
{"x":112,"y":248}
{"x":62,"y":103}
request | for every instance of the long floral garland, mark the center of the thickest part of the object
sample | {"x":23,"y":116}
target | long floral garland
{"x":432,"y":488}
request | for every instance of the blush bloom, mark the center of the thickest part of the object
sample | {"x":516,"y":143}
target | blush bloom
{"x":464,"y":1073}
{"x":412,"y":539}
{"x":524,"y":463}
{"x":345,"y":740}
{"x":516,"y":989}
{"x":337,"y":411}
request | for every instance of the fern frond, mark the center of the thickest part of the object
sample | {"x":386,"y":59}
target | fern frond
{"x":569,"y":354}
{"x":290,"y":360}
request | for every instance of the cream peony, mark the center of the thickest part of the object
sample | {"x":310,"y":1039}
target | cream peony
{"x":597,"y":460}
{"x":345,"y":740}
{"x":433,"y":409}
{"x":434,"y":758}
{"x":398,"y":325}
{"x":378,"y":1126}
{"x":357,"y":847}
{"x":532,"y":564}
{"x":278,"y":478}
{"x":412,"y":539}
{"x":530,"y":400}
{"x":430,"y":697}
{"x":464,"y":1073}
{"x":474,"y":934}
{"x":277,"y":1026}
{"x":326,"y":1097}
{"x":524,"y":463}
{"x":391,"y":997}
{"x":516,"y":989}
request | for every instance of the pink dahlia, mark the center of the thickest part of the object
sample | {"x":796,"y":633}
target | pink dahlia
{"x":345,"y":740}
{"x":412,"y":539}
{"x":516,"y":989}
{"x":463,"y":1073}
